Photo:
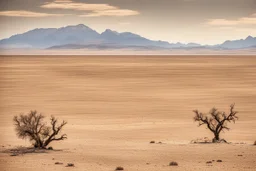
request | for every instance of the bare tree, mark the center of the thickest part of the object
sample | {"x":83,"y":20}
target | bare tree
{"x":216,"y":121}
{"x":33,"y":127}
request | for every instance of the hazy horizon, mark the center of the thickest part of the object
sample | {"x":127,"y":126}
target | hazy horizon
{"x":198,"y":21}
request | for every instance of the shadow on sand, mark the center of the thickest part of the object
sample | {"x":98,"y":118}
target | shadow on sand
{"x":25,"y":150}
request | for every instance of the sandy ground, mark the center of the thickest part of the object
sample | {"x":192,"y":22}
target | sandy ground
{"x":115,"y":105}
{"x":196,"y":51}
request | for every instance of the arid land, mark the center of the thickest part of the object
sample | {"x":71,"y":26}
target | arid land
{"x":116,"y":105}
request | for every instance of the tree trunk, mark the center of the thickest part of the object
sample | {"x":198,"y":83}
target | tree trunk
{"x":38,"y":143}
{"x":216,"y":137}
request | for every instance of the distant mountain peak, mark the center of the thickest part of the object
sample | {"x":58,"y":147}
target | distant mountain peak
{"x":84,"y":36}
{"x":249,"y":37}
{"x":239,"y":44}
{"x":79,"y":27}
{"x":108,"y":31}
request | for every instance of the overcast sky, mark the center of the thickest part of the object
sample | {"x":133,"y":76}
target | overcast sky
{"x":200,"y":21}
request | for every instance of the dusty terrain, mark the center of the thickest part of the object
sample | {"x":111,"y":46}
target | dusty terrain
{"x":115,"y":105}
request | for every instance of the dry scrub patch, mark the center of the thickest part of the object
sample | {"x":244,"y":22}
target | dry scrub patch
{"x":26,"y":150}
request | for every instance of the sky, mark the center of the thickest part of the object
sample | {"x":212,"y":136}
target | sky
{"x":199,"y":21}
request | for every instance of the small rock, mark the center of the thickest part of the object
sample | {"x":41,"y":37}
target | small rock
{"x":14,"y":154}
{"x":152,"y":142}
{"x":219,"y":160}
{"x":240,"y":155}
{"x":70,"y":165}
{"x":119,"y":168}
{"x":58,"y":163}
{"x":173,"y":163}
{"x":208,"y":162}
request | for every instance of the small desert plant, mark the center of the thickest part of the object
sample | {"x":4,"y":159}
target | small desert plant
{"x":119,"y":168}
{"x":31,"y":126}
{"x":216,"y":121}
{"x":152,"y":142}
{"x":254,"y":143}
{"x":173,"y":163}
{"x":219,"y":160}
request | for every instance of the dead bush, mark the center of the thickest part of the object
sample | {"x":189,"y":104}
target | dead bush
{"x":32,"y":127}
{"x":216,"y":121}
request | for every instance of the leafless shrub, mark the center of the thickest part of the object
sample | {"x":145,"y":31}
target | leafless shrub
{"x":31,"y":126}
{"x":216,"y":121}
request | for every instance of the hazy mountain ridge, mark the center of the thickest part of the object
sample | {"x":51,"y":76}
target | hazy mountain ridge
{"x":81,"y":36}
{"x":239,"y":44}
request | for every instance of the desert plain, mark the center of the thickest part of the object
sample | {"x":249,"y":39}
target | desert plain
{"x":115,"y":105}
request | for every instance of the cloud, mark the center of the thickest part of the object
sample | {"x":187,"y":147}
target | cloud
{"x":222,"y":22}
{"x":63,"y":0}
{"x":77,"y":6}
{"x":251,"y":20}
{"x":124,"y":23}
{"x":115,"y":12}
{"x":94,"y":10}
{"x":22,"y":13}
